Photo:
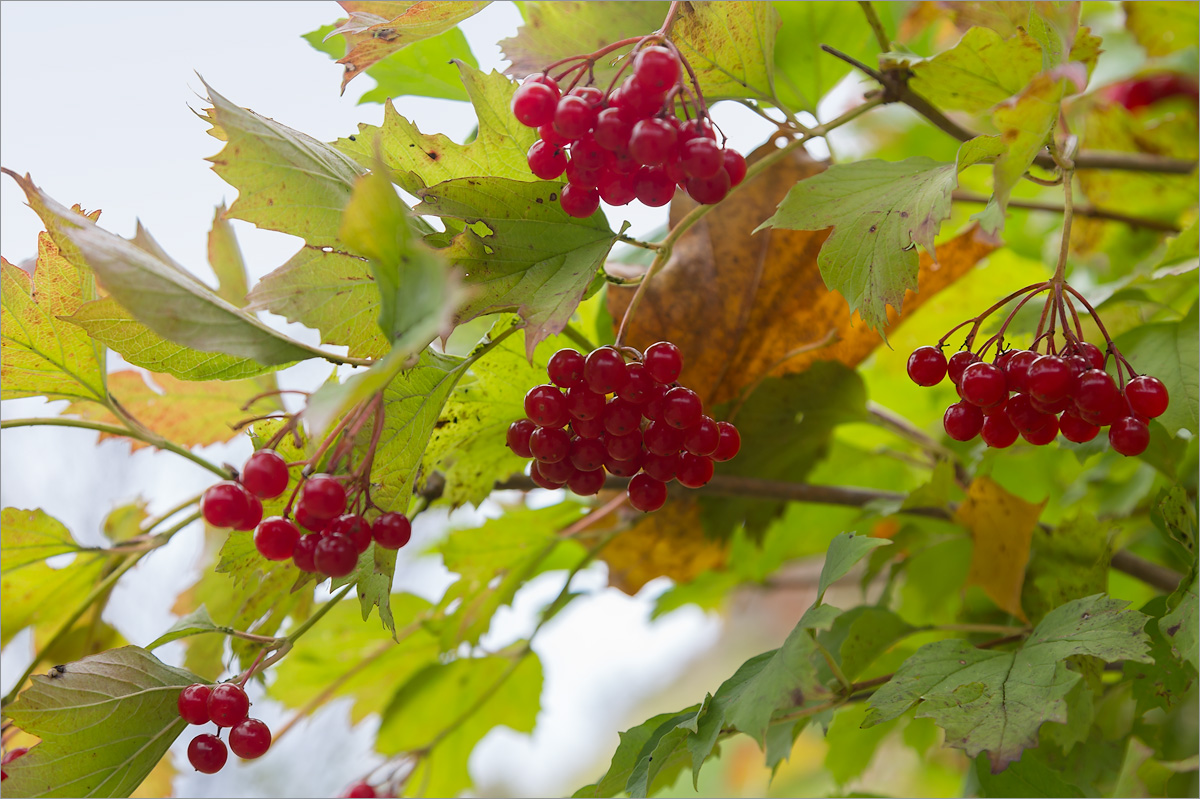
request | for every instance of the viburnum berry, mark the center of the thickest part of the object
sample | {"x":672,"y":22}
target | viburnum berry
{"x":1129,"y":436}
{"x":323,"y":496}
{"x":735,"y":166}
{"x":354,"y":527}
{"x":250,"y":739}
{"x":546,"y":406}
{"x":682,"y":408}
{"x":304,"y":555}
{"x":335,"y":555}
{"x":1074,"y":428}
{"x":653,"y":142}
{"x":193,"y":703}
{"x":545,"y":80}
{"x":710,"y":190}
{"x":1147,"y":396}
{"x":983,"y":385}
{"x":392,"y":530}
{"x":729,"y":444}
{"x":587,"y":454}
{"x":652,"y":410}
{"x":1021,"y":413}
{"x":360,"y":790}
{"x":574,"y":117}
{"x":654,"y":186}
{"x":700,"y":157}
{"x":629,"y":468}
{"x":617,"y":188}
{"x":588,"y":428}
{"x":547,"y":161}
{"x":963,"y":421}
{"x":534,"y":104}
{"x":998,"y":431}
{"x":661,"y":438}
{"x":565,"y":368}
{"x":579,"y":201}
{"x":703,"y":438}
{"x":1044,"y":434}
{"x":604,"y":371}
{"x":640,"y":387}
{"x":1016,"y":370}
{"x":613,"y":130}
{"x":227,"y":704}
{"x":583,"y":177}
{"x":646,"y":494}
{"x":548,"y":134}
{"x":926,"y":366}
{"x":254,"y":512}
{"x":620,"y":447}
{"x":586,"y":483}
{"x":549,"y":444}
{"x":696,"y":128}
{"x":540,"y":480}
{"x":225,"y":504}
{"x":1093,"y":354}
{"x":275,"y":538}
{"x":663,"y":361}
{"x":306,"y":520}
{"x":694,"y":471}
{"x":265,"y":474}
{"x":621,"y":417}
{"x":958,"y":363}
{"x":589,"y":94}
{"x":517,"y":437}
{"x":656,"y":68}
{"x":1050,"y":379}
{"x":559,"y":471}
{"x":207,"y":753}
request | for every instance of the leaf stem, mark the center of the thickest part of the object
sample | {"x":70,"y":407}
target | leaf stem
{"x":1080,"y":210}
{"x":645,"y":245}
{"x":573,"y":333}
{"x":885,"y":44}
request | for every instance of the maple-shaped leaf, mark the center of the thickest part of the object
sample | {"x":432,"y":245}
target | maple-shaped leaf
{"x":879,"y":211}
{"x":528,"y":255}
{"x":377,"y":29}
{"x":418,"y":160}
{"x":43,"y":355}
{"x":995,"y":702}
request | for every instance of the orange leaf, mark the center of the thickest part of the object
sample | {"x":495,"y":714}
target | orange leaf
{"x":1002,"y":525}
{"x":669,"y":543}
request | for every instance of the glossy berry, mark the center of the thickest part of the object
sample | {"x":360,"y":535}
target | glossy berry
{"x":1093,"y":354}
{"x":613,"y":130}
{"x":1147,"y":396}
{"x":703,"y":438}
{"x":546,"y":406}
{"x":652,"y":410}
{"x":360,"y":790}
{"x":1074,"y":428}
{"x":1129,"y":436}
{"x":304,"y":555}
{"x":663,"y":361}
{"x":647,"y":494}
{"x":193,"y":703}
{"x":534,"y":104}
{"x":621,"y":448}
{"x":653,"y":142}
{"x":661,"y":467}
{"x":926,"y":366}
{"x":323,"y":496}
{"x":549,"y":444}
{"x":682,"y":408}
{"x":265,"y":474}
{"x":622,"y":417}
{"x":735,"y":166}
{"x":254,"y":512}
{"x":275,"y":538}
{"x":586,"y":483}
{"x":709,"y":191}
{"x":963,"y":421}
{"x":656,"y":68}
{"x":574,"y":117}
{"x":1021,"y":413}
{"x":540,"y":480}
{"x":584,"y":404}
{"x":983,"y":385}
{"x":335,"y":555}
{"x":579,"y":201}
{"x":617,"y":188}
{"x":636,"y":102}
{"x":307,"y":520}
{"x":654,"y":186}
{"x":1097,"y":393}
{"x":250,"y":739}
{"x":583,"y":177}
{"x":694,"y":470}
{"x":1042,"y":435}
{"x":604,"y":370}
{"x":517,"y":437}
{"x":587,"y":454}
{"x":696,"y":128}
{"x":207,"y":753}
{"x":639,"y":387}
{"x":227,"y":704}
{"x":354,"y":527}
{"x":628,"y":468}
{"x":700,"y":157}
{"x":1140,"y":92}
{"x":957,"y":364}
{"x":662,"y":439}
{"x":588,"y":428}
{"x":547,"y":161}
{"x":559,"y":471}
{"x":392,"y":530}
{"x":729,"y":444}
{"x":545,"y":80}
{"x":1050,"y":379}
{"x":1016,"y":370}
{"x":548,"y":134}
{"x":590,"y":95}
{"x":565,"y":368}
{"x":225,"y":504}
{"x":997,"y":431}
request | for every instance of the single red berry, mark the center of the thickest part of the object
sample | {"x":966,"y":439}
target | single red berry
{"x":565,"y":368}
{"x":307,"y":520}
{"x":1002,"y":358}
{"x":193,"y":703}
{"x":1093,"y":354}
{"x":695,"y":128}
{"x":517,"y":437}
{"x":661,"y":467}
{"x":207,"y":753}
{"x":250,"y":739}
{"x":579,"y":201}
{"x":958,"y":363}
{"x":640,"y":387}
{"x":587,"y":454}
{"x":647,"y":494}
{"x":613,"y":130}
{"x":275,"y":538}
{"x":559,"y":471}
{"x":1016,"y":371}
{"x":700,"y":157}
{"x":629,"y":468}
{"x":926,"y":366}
{"x":654,"y":186}
{"x":620,"y":163}
{"x":534,"y":104}
{"x":545,"y":80}
{"x":652,"y":410}
{"x":703,"y":438}
{"x":663,"y":361}
{"x":963,"y":421}
{"x":1078,"y":364}
{"x":1050,"y":379}
{"x":546,"y":406}
{"x":574,"y":117}
{"x":354,"y":527}
{"x":676,"y":174}
{"x":304,"y":554}
{"x":225,"y":504}
{"x":622,"y":447}
{"x":694,"y":470}
{"x":730,"y":442}
{"x":636,"y":101}
{"x":682,"y":408}
{"x":335,"y":555}
{"x":1097,"y":395}
{"x":549,"y":444}
{"x":1021,"y":413}
{"x":392,"y":530}
{"x":662,"y":439}
{"x":653,"y":142}
{"x":1051,"y":407}
{"x":265,"y":474}
{"x":997,"y":431}
{"x":254,"y":512}
{"x":547,"y":161}
{"x":590,"y":95}
{"x":360,"y":790}
{"x":586,"y":484}
{"x":1043,"y":435}
{"x":709,"y":191}
{"x":540,"y":480}
{"x":588,"y":154}
{"x":656,"y":68}
{"x":622,"y":417}
{"x":583,"y":404}
{"x":1147,"y":396}
{"x":617,"y":188}
{"x":1129,"y":436}
{"x":1074,"y":428}
{"x":983,"y":384}
{"x":323,"y":496}
{"x":588,"y":428}
{"x":604,"y":370}
{"x":227,"y":704}
{"x":735,"y":166}
{"x":548,"y":134}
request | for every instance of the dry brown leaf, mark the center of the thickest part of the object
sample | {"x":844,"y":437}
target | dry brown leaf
{"x":665,"y":544}
{"x":1002,"y":525}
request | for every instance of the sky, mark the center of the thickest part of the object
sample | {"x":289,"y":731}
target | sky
{"x":97,"y":104}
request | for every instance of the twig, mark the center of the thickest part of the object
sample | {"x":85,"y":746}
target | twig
{"x":885,"y":44}
{"x":1080,"y":210}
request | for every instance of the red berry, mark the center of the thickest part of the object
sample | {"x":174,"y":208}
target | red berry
{"x":637,"y":101}
{"x":656,"y":68}
{"x":227,"y":704}
{"x":604,"y":370}
{"x":588,"y":428}
{"x":700,"y":157}
{"x":703,"y":438}
{"x":545,"y":80}
{"x":549,"y":444}
{"x":225,"y":504}
{"x":1093,"y":354}
{"x":583,"y":177}
{"x":997,"y":431}
{"x":621,"y":163}
{"x":579,"y":201}
{"x":662,"y":439}
{"x":963,"y":421}
{"x":1147,"y":396}
{"x":622,"y":448}
{"x":590,"y":95}
{"x":548,"y":134}
{"x":1074,"y":428}
{"x":622,"y":417}
{"x":926,"y":366}
{"x":663,"y":361}
{"x":587,"y":454}
{"x":735,"y":166}
{"x":354,"y":527}
{"x":1042,"y":435}
{"x":558,"y":472}
{"x":534,"y":104}
{"x":1129,"y":436}
{"x":612,"y":130}
{"x":695,"y":128}
{"x":574,"y":117}
{"x":1050,"y":379}
{"x":957,"y":364}
{"x":265,"y":474}
{"x":653,"y":142}
{"x":640,"y":387}
{"x":250,"y":739}
{"x":207,"y":753}
{"x":305,"y":552}
{"x":654,"y":186}
{"x":730,"y":442}
{"x":392,"y":530}
{"x":1021,"y":413}
{"x":983,"y":384}
{"x":1051,"y":407}
{"x":583,"y":404}
{"x":360,"y":791}
{"x":323,"y":496}
{"x":694,"y":470}
{"x":585,"y":484}
{"x":617,"y":188}
{"x":517,"y":437}
{"x":565,"y":368}
{"x":647,"y":494}
{"x":709,"y":191}
{"x":628,"y":468}
{"x":547,"y":161}
{"x":307,"y":520}
{"x":1097,"y":395}
{"x":540,"y":480}
{"x":546,"y":406}
{"x":682,"y":408}
{"x":275,"y":538}
{"x":193,"y":703}
{"x":661,"y":467}
{"x":588,"y":154}
{"x":652,"y":410}
{"x":335,"y":555}
{"x":254,"y":512}
{"x":1016,"y":371}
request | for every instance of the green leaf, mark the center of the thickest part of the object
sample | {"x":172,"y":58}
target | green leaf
{"x":731,"y":47}
{"x":849,"y":748}
{"x":1066,"y":562}
{"x":105,"y":722}
{"x":194,"y":623}
{"x":477,"y":694}
{"x":528,"y":255}
{"x":125,"y":521}
{"x":1180,"y":625}
{"x":225,"y":258}
{"x":1170,"y":352}
{"x":820,"y":617}
{"x":286,"y":181}
{"x":636,"y":745}
{"x":982,"y":70}
{"x":878,"y":211}
{"x":331,"y":291}
{"x":860,"y":635}
{"x":845,"y":550}
{"x":1163,"y":27}
{"x":995,"y":702}
{"x":1175,"y":515}
{"x":42,"y":355}
{"x":1026,"y":777}
{"x":422,"y":69}
{"x":1183,"y":248}
{"x":418,"y":160}
{"x":32,"y":536}
{"x":1163,"y":682}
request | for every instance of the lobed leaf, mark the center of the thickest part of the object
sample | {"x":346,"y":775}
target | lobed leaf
{"x":730,"y":46}
{"x":1170,"y":352}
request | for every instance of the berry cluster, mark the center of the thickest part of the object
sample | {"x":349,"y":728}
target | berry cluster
{"x":1038,"y":395}
{"x":334,"y":538}
{"x":632,"y":420}
{"x":627,"y":143}
{"x":226,"y":705}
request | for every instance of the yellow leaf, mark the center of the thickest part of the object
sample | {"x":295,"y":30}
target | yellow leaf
{"x":665,"y":544}
{"x":1002,"y":526}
